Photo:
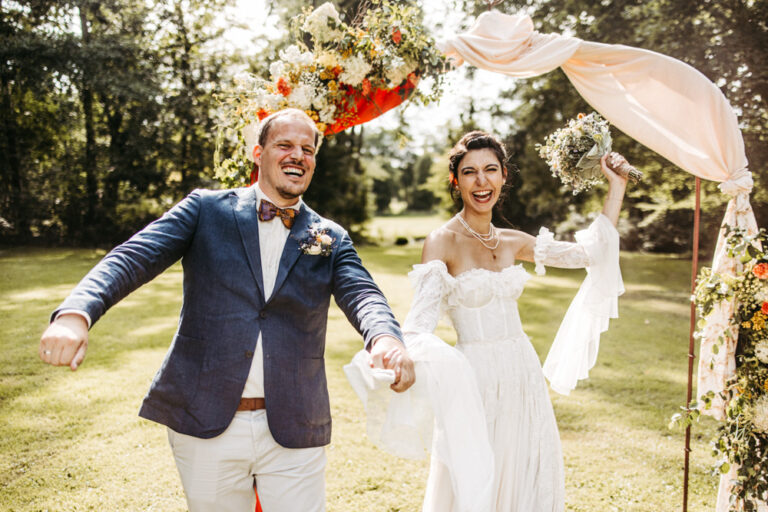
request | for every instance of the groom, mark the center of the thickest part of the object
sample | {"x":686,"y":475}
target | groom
{"x":243,"y":388}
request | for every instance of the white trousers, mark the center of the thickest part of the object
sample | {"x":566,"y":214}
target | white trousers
{"x":218,"y":474}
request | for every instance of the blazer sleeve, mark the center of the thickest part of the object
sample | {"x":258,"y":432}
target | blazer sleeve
{"x":358,"y":296}
{"x":136,"y":261}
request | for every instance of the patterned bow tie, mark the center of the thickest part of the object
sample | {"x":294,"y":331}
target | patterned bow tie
{"x":268,"y":211}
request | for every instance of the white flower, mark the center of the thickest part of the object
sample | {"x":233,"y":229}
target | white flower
{"x":325,"y":239}
{"x":355,"y":69}
{"x":294,"y":55}
{"x":272,"y":102}
{"x":327,"y":59}
{"x":761,"y":351}
{"x":760,"y":415}
{"x":277,"y":69}
{"x":314,"y":250}
{"x":319,"y":101}
{"x":328,"y":114}
{"x":398,"y":70}
{"x":317,"y":23}
{"x":301,"y":97}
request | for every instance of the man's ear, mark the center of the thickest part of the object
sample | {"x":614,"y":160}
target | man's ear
{"x":257,"y":154}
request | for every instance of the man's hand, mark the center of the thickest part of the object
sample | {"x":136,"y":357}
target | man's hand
{"x":65,"y":341}
{"x":389,"y":353}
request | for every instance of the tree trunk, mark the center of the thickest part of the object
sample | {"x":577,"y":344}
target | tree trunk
{"x":184,"y":112}
{"x":15,"y":204}
{"x":89,"y":158}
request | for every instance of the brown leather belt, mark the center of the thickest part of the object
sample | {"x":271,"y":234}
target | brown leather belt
{"x":250,"y":404}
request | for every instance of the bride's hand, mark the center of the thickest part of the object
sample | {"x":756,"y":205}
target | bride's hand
{"x":390,"y":353}
{"x":608,"y":163}
{"x":617,"y":184}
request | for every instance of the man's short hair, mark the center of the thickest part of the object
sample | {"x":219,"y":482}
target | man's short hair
{"x":266,"y":124}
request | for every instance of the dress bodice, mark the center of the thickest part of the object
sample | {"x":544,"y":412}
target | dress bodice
{"x":481,"y":303}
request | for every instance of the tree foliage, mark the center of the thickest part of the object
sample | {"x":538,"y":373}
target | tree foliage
{"x":725,"y":40}
{"x":107,"y":114}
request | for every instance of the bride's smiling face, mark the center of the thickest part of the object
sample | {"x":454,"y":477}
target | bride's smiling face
{"x":480,"y":179}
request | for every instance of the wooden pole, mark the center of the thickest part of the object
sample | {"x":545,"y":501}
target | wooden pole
{"x":691,"y":345}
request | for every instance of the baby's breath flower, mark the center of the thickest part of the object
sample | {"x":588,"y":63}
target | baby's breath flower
{"x":759,"y":415}
{"x":761,"y":352}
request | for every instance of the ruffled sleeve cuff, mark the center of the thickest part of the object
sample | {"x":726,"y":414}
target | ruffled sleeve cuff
{"x":574,"y":350}
{"x":543,"y":241}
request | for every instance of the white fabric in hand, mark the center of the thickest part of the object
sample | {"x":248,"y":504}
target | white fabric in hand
{"x":444,"y":398}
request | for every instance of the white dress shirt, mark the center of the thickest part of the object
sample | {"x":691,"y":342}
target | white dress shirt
{"x":272,"y":237}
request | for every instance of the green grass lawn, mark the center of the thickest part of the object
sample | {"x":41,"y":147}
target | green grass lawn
{"x":73,"y":441}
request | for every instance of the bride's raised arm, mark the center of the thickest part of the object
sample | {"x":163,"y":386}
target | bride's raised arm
{"x":589,"y":249}
{"x":574,"y":350}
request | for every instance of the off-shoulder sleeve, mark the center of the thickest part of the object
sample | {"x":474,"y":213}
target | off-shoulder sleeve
{"x":430,"y":282}
{"x":574,"y":350}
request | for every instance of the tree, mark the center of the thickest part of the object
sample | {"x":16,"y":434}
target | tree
{"x":727,"y":41}
{"x":104,"y":105}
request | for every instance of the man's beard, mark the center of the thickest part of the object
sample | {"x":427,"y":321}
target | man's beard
{"x":289,"y":194}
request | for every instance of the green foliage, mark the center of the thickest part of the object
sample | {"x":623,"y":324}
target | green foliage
{"x":742,"y":438}
{"x":104,"y":104}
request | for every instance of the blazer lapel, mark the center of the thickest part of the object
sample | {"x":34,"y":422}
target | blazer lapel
{"x":292,"y":249}
{"x":246,"y":217}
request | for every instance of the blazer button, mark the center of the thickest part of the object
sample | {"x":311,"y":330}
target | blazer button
{"x":248,"y":354}
{"x":263,"y":314}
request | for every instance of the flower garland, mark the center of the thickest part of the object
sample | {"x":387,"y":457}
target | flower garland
{"x":339,"y":73}
{"x":742,"y":439}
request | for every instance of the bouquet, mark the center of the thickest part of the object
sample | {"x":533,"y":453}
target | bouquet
{"x":341,"y":74}
{"x":573,"y":153}
{"x":742,"y":439}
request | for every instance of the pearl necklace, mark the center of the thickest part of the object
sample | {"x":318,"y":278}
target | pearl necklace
{"x":482,"y":238}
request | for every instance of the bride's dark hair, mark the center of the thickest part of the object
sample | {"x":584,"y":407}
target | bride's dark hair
{"x":471,"y":141}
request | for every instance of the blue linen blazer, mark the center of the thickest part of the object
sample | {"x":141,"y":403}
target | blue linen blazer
{"x":199,"y":385}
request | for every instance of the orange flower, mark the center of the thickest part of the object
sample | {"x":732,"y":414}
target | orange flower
{"x":283,"y":87}
{"x":396,"y":35}
{"x":764,"y":308}
{"x":581,"y":115}
{"x":761,"y":270}
{"x":366,"y":87}
{"x":261,"y":114}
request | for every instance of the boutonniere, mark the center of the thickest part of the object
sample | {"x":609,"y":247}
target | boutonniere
{"x":318,"y":242}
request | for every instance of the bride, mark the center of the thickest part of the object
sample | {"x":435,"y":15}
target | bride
{"x":484,"y":410}
{"x":469,"y":270}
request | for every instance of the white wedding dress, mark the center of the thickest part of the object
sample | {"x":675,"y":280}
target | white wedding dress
{"x":515,"y":417}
